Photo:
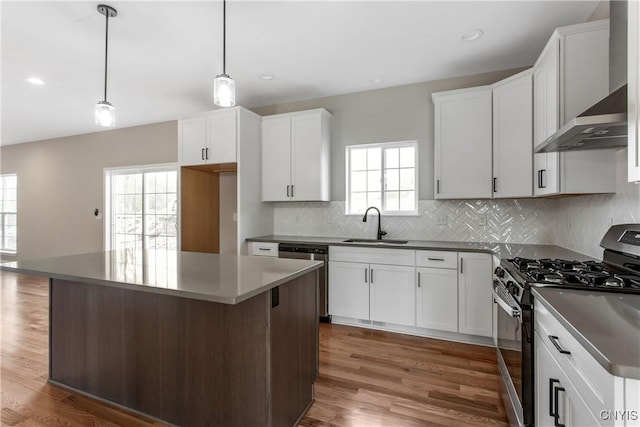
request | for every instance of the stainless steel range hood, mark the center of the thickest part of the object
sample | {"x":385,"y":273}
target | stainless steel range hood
{"x":605,"y":124}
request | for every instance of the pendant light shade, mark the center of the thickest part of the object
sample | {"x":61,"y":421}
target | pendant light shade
{"x":224,"y":91}
{"x":105,"y":113}
{"x":224,"y":88}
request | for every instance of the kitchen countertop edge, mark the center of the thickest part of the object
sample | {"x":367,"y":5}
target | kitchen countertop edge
{"x":181,"y":293}
{"x":616,"y":369}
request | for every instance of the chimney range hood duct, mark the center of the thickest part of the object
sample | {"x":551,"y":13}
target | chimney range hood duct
{"x":605,"y":124}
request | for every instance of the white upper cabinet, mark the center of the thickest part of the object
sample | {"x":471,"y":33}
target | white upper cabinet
{"x":633,"y":94}
{"x":209,"y":137}
{"x":463,"y":143}
{"x":512,"y":133}
{"x":571,"y":75}
{"x":296,"y":156}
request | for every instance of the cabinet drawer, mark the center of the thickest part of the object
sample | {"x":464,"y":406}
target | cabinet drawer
{"x":372,"y":255}
{"x":263,"y":249}
{"x":595,"y":384}
{"x":437,"y":259}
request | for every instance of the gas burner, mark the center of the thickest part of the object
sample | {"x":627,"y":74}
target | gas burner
{"x":594,"y":278}
{"x":613,"y":282}
{"x":570,"y":276}
{"x":629,"y":281}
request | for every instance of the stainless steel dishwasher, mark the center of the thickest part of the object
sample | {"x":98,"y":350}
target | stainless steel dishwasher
{"x":317,"y":253}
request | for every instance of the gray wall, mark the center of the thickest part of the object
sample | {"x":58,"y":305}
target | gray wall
{"x":393,"y":114}
{"x":60,"y":183}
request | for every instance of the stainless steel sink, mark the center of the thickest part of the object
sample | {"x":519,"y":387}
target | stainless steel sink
{"x":377,"y":242}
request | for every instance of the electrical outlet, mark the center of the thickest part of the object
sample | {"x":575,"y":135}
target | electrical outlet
{"x":441,"y":220}
{"x":482,"y":219}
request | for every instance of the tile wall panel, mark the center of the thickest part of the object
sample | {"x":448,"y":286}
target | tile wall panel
{"x":515,"y":221}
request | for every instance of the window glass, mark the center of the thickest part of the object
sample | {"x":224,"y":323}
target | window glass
{"x":384,"y":176}
{"x":8,"y":213}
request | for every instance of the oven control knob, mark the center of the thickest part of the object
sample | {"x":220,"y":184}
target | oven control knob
{"x":511,"y":287}
{"x":499,"y":272}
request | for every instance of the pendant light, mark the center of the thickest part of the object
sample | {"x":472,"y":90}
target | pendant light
{"x":105,"y":112}
{"x":224,"y":88}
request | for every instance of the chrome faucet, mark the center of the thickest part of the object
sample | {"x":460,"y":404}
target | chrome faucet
{"x":364,"y":219}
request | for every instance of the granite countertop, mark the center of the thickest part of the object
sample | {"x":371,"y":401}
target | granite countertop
{"x":227,"y":279}
{"x":501,"y":250}
{"x":607,"y":324}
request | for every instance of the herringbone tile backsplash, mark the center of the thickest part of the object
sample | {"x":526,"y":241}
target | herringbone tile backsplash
{"x":515,"y":221}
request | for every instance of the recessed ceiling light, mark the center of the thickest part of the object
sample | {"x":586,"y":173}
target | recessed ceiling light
{"x":377,"y":80}
{"x":472,"y":35}
{"x":267,"y":76}
{"x":35,"y":81}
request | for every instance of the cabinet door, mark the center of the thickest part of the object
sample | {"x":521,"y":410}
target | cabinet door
{"x":475,"y":290}
{"x":306,"y":154}
{"x":633,"y":93}
{"x":512,"y":137}
{"x":437,"y":299}
{"x":192,"y":140}
{"x":463,"y":144}
{"x":222,"y":136}
{"x":276,"y":159}
{"x":392,"y":294}
{"x":349,"y":289}
{"x":546,"y":98}
{"x":556,"y":395}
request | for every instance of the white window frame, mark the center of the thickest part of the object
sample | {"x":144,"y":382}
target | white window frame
{"x":109,"y":172}
{"x":3,"y":214}
{"x":383,"y":146}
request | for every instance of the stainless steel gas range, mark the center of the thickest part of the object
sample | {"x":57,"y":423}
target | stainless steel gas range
{"x":619,"y":271}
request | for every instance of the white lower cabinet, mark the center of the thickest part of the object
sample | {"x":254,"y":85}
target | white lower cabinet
{"x":475,"y":294}
{"x":392,"y":294}
{"x":426,"y":290}
{"x":349,"y":289}
{"x":557,"y":400}
{"x":378,"y":292}
{"x":437,"y":299}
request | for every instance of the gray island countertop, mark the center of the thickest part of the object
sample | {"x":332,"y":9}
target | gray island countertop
{"x":605,"y":323}
{"x":227,"y":279}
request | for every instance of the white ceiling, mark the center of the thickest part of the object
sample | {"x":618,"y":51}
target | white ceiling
{"x":163,"y":56}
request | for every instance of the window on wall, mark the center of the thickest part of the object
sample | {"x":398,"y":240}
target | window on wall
{"x":382,"y":175}
{"x":142,"y":209}
{"x":8,"y":213}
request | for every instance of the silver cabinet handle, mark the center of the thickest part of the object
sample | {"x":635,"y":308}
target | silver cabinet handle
{"x":292,"y":190}
{"x":365,"y":275}
{"x":542,"y":171}
{"x":202,"y":154}
{"x":288,"y":190}
{"x":206,"y":153}
{"x":435,"y":259}
{"x":418,"y":279}
{"x":371,"y":276}
{"x":264,"y":249}
{"x":461,"y":265}
{"x":437,"y":186}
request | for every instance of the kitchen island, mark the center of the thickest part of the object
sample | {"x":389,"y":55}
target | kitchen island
{"x":186,"y":338}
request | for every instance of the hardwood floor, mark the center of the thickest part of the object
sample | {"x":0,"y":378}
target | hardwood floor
{"x":367,"y":378}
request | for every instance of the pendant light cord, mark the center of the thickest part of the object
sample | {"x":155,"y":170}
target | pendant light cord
{"x":224,"y":37}
{"x":106,"y":50}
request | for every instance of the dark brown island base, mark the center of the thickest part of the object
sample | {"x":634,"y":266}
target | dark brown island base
{"x":212,"y":341}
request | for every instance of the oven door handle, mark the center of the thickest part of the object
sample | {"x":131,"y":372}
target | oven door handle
{"x":501,"y":294}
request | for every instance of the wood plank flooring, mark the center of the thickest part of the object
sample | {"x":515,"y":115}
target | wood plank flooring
{"x":367,"y":378}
